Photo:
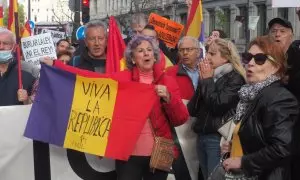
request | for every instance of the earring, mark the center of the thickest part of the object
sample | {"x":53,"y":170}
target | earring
{"x":133,"y":62}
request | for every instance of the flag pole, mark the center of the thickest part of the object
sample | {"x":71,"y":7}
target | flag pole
{"x":17,"y":31}
{"x":20,"y":83}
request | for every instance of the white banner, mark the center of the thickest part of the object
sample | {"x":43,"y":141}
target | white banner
{"x":17,"y":161}
{"x":188,"y":141}
{"x":23,"y":159}
{"x":56,"y":35}
{"x":36,"y":47}
{"x":285,"y":3}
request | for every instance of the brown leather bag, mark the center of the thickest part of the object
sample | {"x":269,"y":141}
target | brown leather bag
{"x":162,"y":154}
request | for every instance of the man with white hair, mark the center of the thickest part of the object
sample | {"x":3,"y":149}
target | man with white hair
{"x":10,"y":93}
{"x":187,"y":77}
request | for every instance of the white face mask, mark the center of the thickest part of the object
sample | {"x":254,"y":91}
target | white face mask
{"x":5,"y":56}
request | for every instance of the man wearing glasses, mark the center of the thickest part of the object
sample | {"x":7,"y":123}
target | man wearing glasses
{"x":187,"y":77}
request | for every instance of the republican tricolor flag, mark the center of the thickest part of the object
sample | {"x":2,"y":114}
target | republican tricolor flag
{"x":89,"y":112}
{"x":26,"y":31}
{"x":195,"y":21}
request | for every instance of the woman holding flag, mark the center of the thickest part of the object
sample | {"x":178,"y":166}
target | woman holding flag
{"x":142,"y":55}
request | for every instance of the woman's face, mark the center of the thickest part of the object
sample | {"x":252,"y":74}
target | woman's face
{"x":143,"y":56}
{"x":257,"y":73}
{"x":65,"y":58}
{"x":214,"y":56}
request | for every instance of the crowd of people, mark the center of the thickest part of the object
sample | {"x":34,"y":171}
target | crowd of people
{"x":257,"y":90}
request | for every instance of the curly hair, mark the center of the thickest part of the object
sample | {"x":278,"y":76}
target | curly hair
{"x":134,"y":43}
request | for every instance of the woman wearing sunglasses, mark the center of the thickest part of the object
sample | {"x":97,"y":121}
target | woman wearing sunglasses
{"x":265,"y":116}
{"x":222,"y":75}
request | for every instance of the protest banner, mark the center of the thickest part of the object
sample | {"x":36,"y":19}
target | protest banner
{"x":285,"y":3}
{"x":24,"y":159}
{"x":167,"y":30}
{"x":36,"y":47}
{"x":56,"y":35}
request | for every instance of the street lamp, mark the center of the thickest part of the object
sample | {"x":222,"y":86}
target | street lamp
{"x":174,"y":4}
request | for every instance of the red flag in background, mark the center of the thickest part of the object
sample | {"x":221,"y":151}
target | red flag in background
{"x":13,"y":23}
{"x":26,"y":31}
{"x":115,"y":48}
{"x":1,"y":15}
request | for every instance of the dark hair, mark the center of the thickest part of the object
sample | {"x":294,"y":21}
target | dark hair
{"x":270,"y":47}
{"x":61,"y":40}
{"x":150,"y":27}
{"x":222,"y":33}
{"x":68,"y":53}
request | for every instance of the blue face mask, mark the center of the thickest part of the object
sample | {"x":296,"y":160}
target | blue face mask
{"x":5,"y":56}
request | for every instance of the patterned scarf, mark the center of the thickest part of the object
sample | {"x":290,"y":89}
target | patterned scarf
{"x":248,"y":93}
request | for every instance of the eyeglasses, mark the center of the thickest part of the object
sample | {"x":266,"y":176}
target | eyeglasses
{"x":188,"y":50}
{"x":259,"y":58}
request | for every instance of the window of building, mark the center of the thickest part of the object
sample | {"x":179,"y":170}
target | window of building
{"x":283,"y":13}
{"x":243,"y":28}
{"x":212,"y":20}
{"x":183,"y":18}
{"x":261,"y":25}
{"x":38,"y":10}
{"x":52,"y":18}
{"x":35,"y":18}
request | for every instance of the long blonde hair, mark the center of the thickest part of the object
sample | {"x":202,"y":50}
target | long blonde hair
{"x":229,"y":51}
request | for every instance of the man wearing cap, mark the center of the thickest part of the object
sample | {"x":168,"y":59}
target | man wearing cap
{"x":282,"y":32}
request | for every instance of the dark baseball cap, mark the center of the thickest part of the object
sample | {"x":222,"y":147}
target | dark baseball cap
{"x":282,"y":22}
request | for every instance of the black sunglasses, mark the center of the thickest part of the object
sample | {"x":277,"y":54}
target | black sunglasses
{"x":259,"y":58}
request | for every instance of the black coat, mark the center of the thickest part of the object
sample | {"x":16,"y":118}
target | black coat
{"x":214,"y":101}
{"x":266,"y":134}
{"x":9,"y":85}
{"x":88,"y":63}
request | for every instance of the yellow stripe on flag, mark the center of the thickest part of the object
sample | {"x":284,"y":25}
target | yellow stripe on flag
{"x":195,"y":26}
{"x":91,"y":115}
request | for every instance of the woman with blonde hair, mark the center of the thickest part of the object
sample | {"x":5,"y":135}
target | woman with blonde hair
{"x":215,"y":100}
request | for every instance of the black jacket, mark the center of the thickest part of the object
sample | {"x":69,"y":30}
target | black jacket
{"x":90,"y":64}
{"x":214,"y":101}
{"x":266,"y":134}
{"x":9,"y":85}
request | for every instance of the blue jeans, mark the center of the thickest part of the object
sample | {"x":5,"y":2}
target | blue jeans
{"x":209,"y":151}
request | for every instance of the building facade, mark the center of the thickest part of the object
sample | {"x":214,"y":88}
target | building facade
{"x":228,"y":15}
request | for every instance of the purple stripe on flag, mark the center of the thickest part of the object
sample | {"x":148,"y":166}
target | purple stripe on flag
{"x":202,"y":35}
{"x":50,"y":112}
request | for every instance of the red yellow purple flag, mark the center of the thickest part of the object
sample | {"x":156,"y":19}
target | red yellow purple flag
{"x":89,"y":112}
{"x":26,"y":31}
{"x":13,"y":17}
{"x":195,"y":21}
{"x":115,"y":48}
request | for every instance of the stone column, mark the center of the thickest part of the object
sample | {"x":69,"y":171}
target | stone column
{"x":234,"y":30}
{"x":206,"y":21}
{"x":253,"y":12}
{"x":293,"y":18}
{"x":271,"y":12}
